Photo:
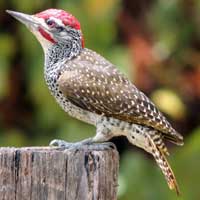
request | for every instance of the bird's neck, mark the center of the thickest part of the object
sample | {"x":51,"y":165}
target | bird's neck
{"x":59,"y":53}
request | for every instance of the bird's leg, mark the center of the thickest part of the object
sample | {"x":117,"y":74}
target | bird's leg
{"x":65,"y":144}
{"x":103,"y":134}
{"x":89,"y":143}
{"x":98,"y":141}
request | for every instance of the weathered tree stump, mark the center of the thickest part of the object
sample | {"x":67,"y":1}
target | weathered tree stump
{"x":46,"y":173}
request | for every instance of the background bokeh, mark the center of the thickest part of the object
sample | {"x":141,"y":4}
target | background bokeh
{"x":155,"y":42}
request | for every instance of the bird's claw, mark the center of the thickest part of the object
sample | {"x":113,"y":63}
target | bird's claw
{"x":106,"y":145}
{"x":79,"y":145}
{"x":60,"y":144}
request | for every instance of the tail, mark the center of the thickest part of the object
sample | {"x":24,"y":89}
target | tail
{"x":162,"y":162}
{"x":174,"y":137}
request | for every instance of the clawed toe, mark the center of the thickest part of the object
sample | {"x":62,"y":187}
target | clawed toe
{"x":102,"y":146}
{"x":111,"y":145}
{"x":82,"y":145}
{"x":60,"y":143}
{"x":108,"y":145}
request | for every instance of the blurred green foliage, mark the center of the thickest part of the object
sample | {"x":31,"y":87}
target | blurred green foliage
{"x":31,"y":117}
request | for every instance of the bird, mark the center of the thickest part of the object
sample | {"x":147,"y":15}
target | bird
{"x":91,"y":89}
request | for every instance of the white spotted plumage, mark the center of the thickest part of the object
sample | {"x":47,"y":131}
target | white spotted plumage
{"x":109,"y":125}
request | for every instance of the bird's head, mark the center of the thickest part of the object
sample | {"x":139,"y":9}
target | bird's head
{"x":51,"y":26}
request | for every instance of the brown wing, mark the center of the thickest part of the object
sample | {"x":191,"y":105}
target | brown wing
{"x":97,"y":86}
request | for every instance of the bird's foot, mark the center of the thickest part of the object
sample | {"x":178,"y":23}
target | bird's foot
{"x":101,"y":146}
{"x":60,"y":144}
{"x":85,"y":144}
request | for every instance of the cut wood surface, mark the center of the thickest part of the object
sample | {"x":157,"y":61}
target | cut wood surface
{"x":48,"y":173}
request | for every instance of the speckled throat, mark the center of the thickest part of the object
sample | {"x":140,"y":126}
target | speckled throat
{"x":60,"y":53}
{"x":56,"y":59}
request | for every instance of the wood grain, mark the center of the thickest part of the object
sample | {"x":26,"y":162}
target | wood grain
{"x":46,"y":173}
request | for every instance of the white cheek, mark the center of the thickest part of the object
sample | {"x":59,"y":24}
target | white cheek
{"x":34,"y":29}
{"x":44,"y":43}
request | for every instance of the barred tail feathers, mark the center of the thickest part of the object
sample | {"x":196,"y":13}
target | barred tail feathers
{"x":162,"y":162}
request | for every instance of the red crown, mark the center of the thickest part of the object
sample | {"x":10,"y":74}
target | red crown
{"x":67,"y":18}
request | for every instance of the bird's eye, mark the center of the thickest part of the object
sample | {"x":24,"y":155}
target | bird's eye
{"x":50,"y":23}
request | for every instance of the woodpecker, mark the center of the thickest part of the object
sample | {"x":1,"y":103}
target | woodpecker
{"x":90,"y":88}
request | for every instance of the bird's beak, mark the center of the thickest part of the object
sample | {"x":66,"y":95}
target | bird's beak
{"x":30,"y":21}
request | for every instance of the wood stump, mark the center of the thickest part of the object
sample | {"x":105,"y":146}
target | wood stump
{"x":48,"y":173}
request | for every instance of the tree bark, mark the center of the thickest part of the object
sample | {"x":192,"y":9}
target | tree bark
{"x":48,"y":173}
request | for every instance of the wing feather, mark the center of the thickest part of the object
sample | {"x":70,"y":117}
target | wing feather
{"x":99,"y":87}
